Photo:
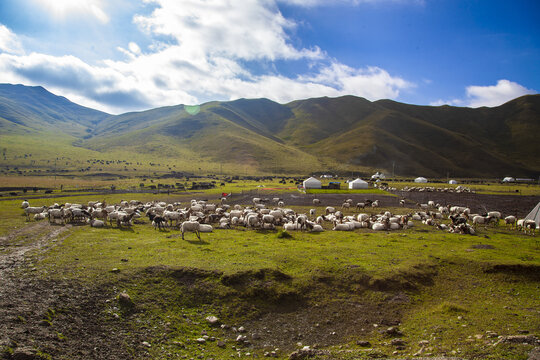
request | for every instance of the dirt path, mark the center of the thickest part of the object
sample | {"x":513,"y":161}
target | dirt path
{"x":63,"y":319}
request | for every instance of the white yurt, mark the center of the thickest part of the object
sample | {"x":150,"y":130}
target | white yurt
{"x":312,"y":183}
{"x":452,"y":182}
{"x":358,"y":184}
{"x":420,"y":180}
{"x":508,"y":179}
{"x":534,"y":215}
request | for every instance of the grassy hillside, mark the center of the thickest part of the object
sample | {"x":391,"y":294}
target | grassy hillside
{"x":260,"y":136}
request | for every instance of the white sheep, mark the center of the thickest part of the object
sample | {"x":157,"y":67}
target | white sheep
{"x":40,"y":216}
{"x":316,"y":201}
{"x":97,"y":223}
{"x":33,"y":210}
{"x":290,"y":226}
{"x":362,"y":217}
{"x":205,"y":228}
{"x":191,"y":226}
{"x":343,"y":227}
{"x":378,"y":226}
{"x":25,"y":204}
{"x":510,"y":220}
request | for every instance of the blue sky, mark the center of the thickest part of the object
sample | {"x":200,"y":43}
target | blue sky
{"x":127,"y":55}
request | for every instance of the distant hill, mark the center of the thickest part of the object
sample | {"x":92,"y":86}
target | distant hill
{"x":34,"y":108}
{"x":321,"y":134}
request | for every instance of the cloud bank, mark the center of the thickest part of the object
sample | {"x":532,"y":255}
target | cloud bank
{"x":199,"y":51}
{"x":490,"y":96}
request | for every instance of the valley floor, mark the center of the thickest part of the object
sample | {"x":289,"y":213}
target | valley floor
{"x":409,"y":294}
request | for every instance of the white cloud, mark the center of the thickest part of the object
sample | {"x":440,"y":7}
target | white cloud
{"x":490,"y":96}
{"x":9,"y":42}
{"x":497,"y":94}
{"x":134,"y":48}
{"x":63,"y":8}
{"x":212,"y":41}
{"x":248,"y":29}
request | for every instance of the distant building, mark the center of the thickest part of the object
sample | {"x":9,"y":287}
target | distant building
{"x":358,"y":184}
{"x":312,"y":183}
{"x":452,"y":182}
{"x":420,"y":180}
{"x":508,"y":179}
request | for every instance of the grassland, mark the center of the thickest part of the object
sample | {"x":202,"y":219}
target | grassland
{"x":447,"y":290}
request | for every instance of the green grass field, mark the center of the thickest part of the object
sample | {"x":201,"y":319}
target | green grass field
{"x":454,"y":295}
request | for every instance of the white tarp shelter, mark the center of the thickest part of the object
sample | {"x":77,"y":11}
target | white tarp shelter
{"x":535,"y":215}
{"x":420,"y":180}
{"x":312,"y":183}
{"x":508,"y":179}
{"x":358,"y":184}
{"x":452,"y":182}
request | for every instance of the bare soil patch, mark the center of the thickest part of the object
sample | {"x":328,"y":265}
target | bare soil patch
{"x":43,"y":317}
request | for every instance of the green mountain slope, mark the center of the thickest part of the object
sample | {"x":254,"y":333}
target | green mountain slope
{"x":260,"y":136}
{"x":37,"y":109}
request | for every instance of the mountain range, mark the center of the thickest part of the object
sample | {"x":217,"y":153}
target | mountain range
{"x":261,"y":136}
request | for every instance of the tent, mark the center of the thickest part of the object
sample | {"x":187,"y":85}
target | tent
{"x":452,"y":182}
{"x":508,"y":179}
{"x":420,"y":180}
{"x":378,"y":176}
{"x":312,"y":183}
{"x":535,"y":215}
{"x":358,"y":184}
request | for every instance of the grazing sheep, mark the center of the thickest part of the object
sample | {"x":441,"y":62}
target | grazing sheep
{"x":495,"y":215}
{"x":480,"y":220}
{"x":343,"y":227}
{"x":317,"y":228}
{"x":40,"y":216}
{"x":252,"y":221}
{"x":25,"y":204}
{"x":510,"y":220}
{"x":378,"y":226}
{"x":33,"y":210}
{"x":360,"y":205}
{"x":529,"y":227}
{"x":290,"y":226}
{"x":362,"y":217}
{"x":330,"y":210}
{"x":402,"y":202}
{"x":124,"y":218}
{"x":316,"y":202}
{"x":191,"y":226}
{"x":281,"y":204}
{"x":345,"y":205}
{"x":320,"y":219}
{"x":171,"y":216}
{"x":375,"y":203}
{"x":97,"y":223}
{"x":56,"y":214}
{"x":205,"y":228}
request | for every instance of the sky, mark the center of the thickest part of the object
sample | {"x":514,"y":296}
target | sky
{"x":131,"y":55}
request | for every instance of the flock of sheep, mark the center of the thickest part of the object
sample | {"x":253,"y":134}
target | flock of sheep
{"x":268,"y":214}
